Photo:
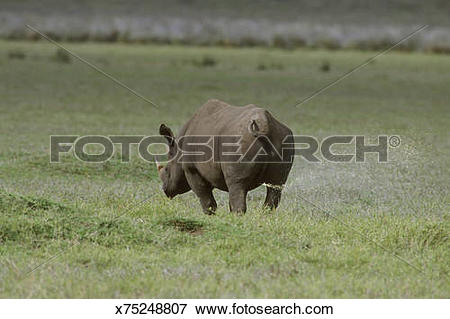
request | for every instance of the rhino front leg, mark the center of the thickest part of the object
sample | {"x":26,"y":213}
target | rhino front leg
{"x":273,"y":197}
{"x":203,"y":190}
{"x":208,"y":202}
{"x":238,"y":199}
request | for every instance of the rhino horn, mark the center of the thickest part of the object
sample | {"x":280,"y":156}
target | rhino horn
{"x":159,"y":167}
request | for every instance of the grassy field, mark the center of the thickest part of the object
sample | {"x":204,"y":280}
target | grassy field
{"x":111,"y":244}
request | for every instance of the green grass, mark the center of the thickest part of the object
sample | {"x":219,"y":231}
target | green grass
{"x":115,"y":245}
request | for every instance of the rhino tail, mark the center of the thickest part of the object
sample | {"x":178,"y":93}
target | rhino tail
{"x":259,"y":124}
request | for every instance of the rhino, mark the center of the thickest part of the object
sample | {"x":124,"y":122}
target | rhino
{"x":262,"y":139}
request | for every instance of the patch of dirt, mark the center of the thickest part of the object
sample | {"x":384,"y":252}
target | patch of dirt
{"x":192,"y":227}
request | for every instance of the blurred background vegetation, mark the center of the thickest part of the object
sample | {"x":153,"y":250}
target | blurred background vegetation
{"x":353,"y":24}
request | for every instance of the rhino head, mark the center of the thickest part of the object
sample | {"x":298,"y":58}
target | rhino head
{"x":172,"y":175}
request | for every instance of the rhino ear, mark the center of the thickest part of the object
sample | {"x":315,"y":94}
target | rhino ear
{"x":167,"y":132}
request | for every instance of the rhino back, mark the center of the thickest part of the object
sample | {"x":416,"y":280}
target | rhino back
{"x":219,"y":118}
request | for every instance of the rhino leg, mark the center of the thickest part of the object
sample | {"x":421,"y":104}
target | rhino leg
{"x":238,"y":199}
{"x":273,"y":197}
{"x":203,"y":190}
{"x":208,"y":202}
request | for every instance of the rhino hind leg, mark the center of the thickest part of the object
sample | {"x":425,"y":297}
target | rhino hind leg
{"x":203,"y":190}
{"x":238,"y":199}
{"x":273,"y":197}
{"x":276,"y":177}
